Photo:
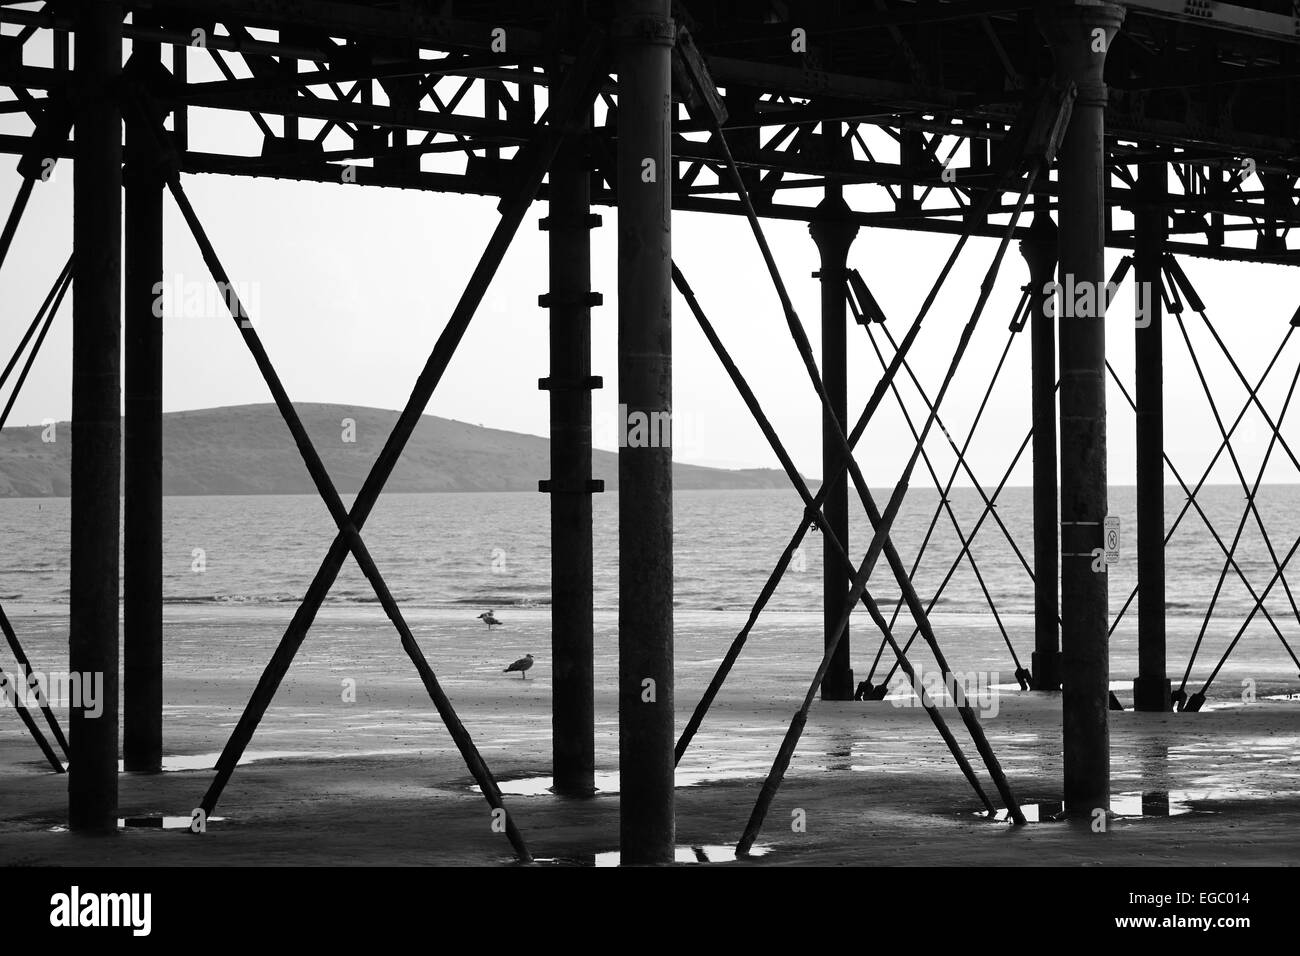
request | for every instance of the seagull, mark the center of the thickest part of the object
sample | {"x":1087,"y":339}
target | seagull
{"x":489,"y":619}
{"x":521,"y":665}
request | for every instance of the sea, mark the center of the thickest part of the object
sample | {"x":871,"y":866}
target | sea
{"x":473,"y":552}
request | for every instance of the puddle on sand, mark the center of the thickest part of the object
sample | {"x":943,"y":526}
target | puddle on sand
{"x":179,"y":762}
{"x":1152,"y":803}
{"x":148,"y":823}
{"x":160,"y":823}
{"x":608,"y":782}
{"x":687,"y":855}
{"x":541,"y":786}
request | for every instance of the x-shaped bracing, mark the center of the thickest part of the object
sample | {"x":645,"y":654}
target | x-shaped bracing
{"x":1174,"y":279}
{"x":575,"y":94}
{"x":38,"y":327}
{"x":943,"y":488}
{"x":1047,"y":124}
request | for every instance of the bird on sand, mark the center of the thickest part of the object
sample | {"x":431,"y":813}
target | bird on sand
{"x":488,"y":618}
{"x":521,"y":665}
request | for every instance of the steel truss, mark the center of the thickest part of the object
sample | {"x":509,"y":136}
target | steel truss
{"x":377,"y":92}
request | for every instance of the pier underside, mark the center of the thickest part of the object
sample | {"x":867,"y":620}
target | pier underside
{"x":1030,"y":138}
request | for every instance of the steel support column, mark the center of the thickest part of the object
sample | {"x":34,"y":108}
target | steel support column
{"x":142,"y":541}
{"x":1039,"y":251}
{"x":573,"y":742}
{"x":96,"y":406}
{"x":1080,"y":34}
{"x":645,"y":33}
{"x":1151,"y":689}
{"x":833,"y":232}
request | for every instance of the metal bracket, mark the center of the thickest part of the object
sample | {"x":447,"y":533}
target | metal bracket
{"x":1023,"y":310}
{"x":554,"y":300}
{"x":50,"y":135}
{"x":1051,"y":118}
{"x":865,"y":308}
{"x":590,"y":221}
{"x":1175,"y":269}
{"x":692,"y":83}
{"x":1168,"y":292}
{"x":592,"y":486}
{"x":580,"y":384}
{"x":644,"y":28}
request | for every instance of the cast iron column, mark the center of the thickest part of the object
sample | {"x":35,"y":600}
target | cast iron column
{"x":573,"y":743}
{"x":833,"y":232}
{"x":645,"y":34}
{"x":142,"y":500}
{"x":96,"y":407}
{"x":1151,"y":688}
{"x":1080,"y":34}
{"x":1039,"y":251}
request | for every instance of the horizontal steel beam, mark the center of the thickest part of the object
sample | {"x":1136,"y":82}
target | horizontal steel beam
{"x":455,"y":183}
{"x":1224,"y":16}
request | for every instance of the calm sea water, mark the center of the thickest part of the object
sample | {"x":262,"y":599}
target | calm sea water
{"x":234,"y":567}
{"x":492,"y":550}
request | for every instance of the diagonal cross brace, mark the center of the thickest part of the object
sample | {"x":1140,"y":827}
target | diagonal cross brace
{"x":1205,"y":474}
{"x":962,"y":463}
{"x":1196,"y":700}
{"x":946,"y":505}
{"x":1190,"y":494}
{"x":574,"y":94}
{"x":44,"y":319}
{"x":882,"y":524}
{"x":1178,"y":278}
{"x":796,"y":479}
{"x":975,"y":529}
{"x":1209,"y":526}
{"x":1249,"y":510}
{"x":943,"y":500}
{"x":9,"y":693}
{"x":880,"y":541}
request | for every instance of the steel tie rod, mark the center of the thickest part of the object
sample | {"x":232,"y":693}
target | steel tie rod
{"x":1218,"y":538}
{"x":46,"y":313}
{"x":881,"y":524}
{"x":1205,"y":474}
{"x":880,"y":541}
{"x":577,"y":88}
{"x":1250,"y":506}
{"x":751,"y":401}
{"x":859,"y":428}
{"x":945,"y":504}
{"x":943,"y":497}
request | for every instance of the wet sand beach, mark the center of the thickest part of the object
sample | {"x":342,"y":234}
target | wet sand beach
{"x":378,"y":780}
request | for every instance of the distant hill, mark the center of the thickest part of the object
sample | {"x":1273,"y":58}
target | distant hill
{"x":247,"y":450}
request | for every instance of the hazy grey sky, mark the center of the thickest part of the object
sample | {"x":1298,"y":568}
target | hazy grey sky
{"x":349,"y":287}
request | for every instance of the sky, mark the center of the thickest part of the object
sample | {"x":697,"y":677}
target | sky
{"x":349,"y":287}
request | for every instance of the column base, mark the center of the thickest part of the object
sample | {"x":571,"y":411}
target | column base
{"x":1047,"y":670}
{"x":145,"y":765}
{"x":1152,"y":694}
{"x":577,"y":791}
{"x":838,"y":686}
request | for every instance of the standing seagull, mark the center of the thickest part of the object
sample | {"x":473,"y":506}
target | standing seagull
{"x":521,"y":665}
{"x":488,"y":618}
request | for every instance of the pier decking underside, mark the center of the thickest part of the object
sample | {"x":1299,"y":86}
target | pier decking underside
{"x":1173,"y":137}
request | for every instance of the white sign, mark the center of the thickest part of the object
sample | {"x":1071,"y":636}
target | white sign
{"x":1111,"y":534}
